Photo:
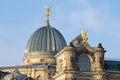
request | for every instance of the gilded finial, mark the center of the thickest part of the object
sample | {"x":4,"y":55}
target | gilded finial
{"x":84,"y":36}
{"x":47,"y":14}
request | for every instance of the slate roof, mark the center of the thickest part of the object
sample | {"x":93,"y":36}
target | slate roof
{"x":112,"y":65}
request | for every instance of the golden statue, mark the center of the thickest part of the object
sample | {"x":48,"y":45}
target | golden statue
{"x":84,"y":36}
{"x":47,"y":14}
{"x":47,"y":11}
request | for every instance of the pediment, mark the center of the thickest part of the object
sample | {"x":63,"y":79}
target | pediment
{"x":85,"y":47}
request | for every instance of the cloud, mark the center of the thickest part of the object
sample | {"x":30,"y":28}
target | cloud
{"x":87,"y":16}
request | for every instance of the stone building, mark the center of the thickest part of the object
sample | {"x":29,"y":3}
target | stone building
{"x":47,"y":57}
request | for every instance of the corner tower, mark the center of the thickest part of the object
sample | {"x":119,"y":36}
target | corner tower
{"x":43,"y":44}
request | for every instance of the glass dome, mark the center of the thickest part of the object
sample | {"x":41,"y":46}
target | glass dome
{"x":45,"y":40}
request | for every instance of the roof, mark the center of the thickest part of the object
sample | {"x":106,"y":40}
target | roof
{"x":112,"y":65}
{"x":77,"y":41}
{"x":27,"y":66}
{"x":46,"y":40}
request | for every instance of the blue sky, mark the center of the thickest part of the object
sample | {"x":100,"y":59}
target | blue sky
{"x":20,"y":18}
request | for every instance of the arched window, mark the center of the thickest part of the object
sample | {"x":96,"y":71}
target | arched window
{"x":84,"y":63}
{"x":39,"y":77}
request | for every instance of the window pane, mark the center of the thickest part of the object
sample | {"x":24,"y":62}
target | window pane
{"x":84,"y":63}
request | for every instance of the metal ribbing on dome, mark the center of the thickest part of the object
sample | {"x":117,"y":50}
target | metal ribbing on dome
{"x":46,"y":39}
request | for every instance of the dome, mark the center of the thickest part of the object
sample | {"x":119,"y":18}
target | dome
{"x":45,"y":40}
{"x":43,"y":44}
{"x":15,"y":75}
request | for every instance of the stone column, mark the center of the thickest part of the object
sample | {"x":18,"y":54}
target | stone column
{"x":99,"y":59}
{"x":70,"y":57}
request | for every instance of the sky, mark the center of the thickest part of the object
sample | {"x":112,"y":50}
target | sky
{"x":20,"y":18}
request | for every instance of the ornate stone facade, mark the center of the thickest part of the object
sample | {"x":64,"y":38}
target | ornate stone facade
{"x":72,"y":63}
